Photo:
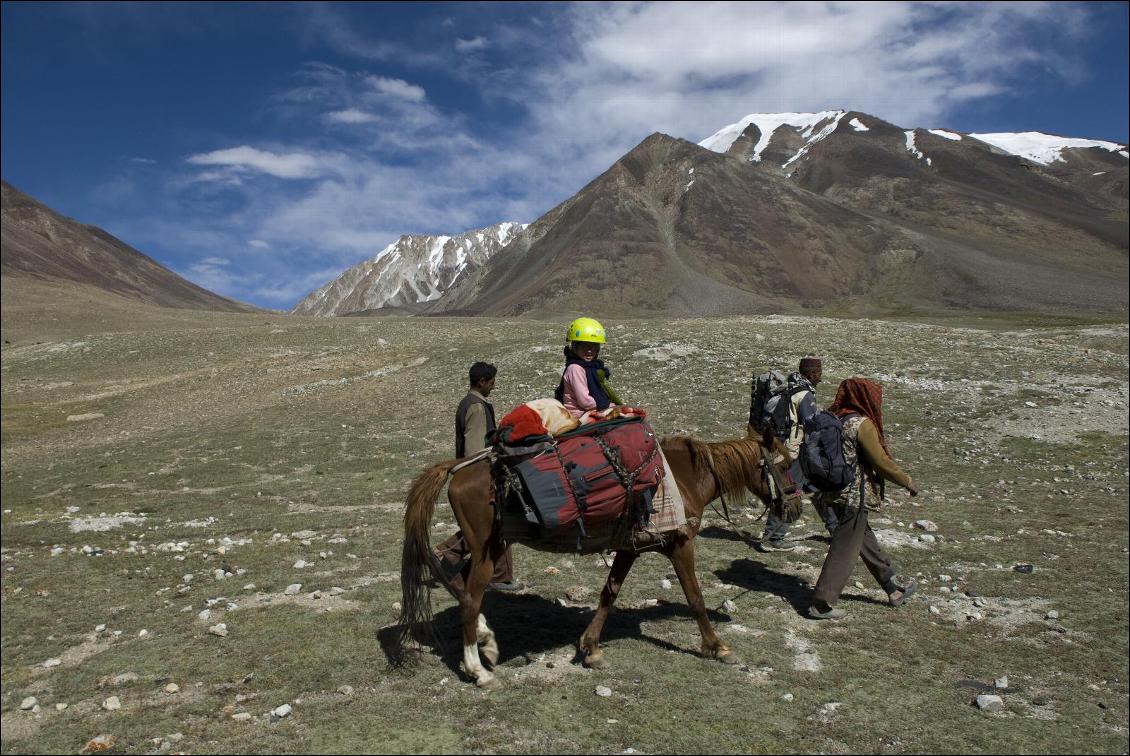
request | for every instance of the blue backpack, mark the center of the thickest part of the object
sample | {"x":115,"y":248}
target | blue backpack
{"x":822,"y":453}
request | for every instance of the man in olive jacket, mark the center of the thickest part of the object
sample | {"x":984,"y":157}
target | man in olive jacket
{"x":474,"y":419}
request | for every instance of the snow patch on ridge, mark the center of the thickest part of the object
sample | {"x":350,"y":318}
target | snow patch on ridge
{"x":767,"y":123}
{"x":1043,"y":148}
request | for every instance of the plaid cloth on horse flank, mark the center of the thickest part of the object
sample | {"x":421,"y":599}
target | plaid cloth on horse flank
{"x":668,"y":503}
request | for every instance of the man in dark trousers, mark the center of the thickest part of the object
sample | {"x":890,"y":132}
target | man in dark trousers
{"x":474,"y":419}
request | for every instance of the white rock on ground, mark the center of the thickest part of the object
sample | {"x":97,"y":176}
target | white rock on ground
{"x":113,"y":703}
{"x":990,"y":703}
{"x":926,"y":525}
{"x":52,"y":663}
{"x":172,"y":688}
{"x":603,"y":691}
{"x":29,"y":703}
{"x":293,"y":589}
{"x":242,"y":716}
{"x":282,"y":711}
{"x":220,"y":630}
{"x":1001,"y":682}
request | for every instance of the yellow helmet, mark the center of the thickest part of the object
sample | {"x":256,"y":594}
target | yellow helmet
{"x":585,"y":329}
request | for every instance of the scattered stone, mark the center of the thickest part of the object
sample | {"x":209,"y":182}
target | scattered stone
{"x":249,"y":587}
{"x":346,"y":690}
{"x":300,"y":564}
{"x":205,"y":615}
{"x":172,"y":688}
{"x":603,"y":691}
{"x":84,"y":416}
{"x":220,"y":630}
{"x":927,"y":538}
{"x":219,"y":574}
{"x":113,"y":703}
{"x":100,"y":629}
{"x":935,"y":611}
{"x":1001,"y":682}
{"x":979,"y":602}
{"x":551,"y":570}
{"x":99,"y":743}
{"x":29,"y":703}
{"x":293,"y":589}
{"x":61,"y":706}
{"x":576,"y":592}
{"x":787,"y":698}
{"x":336,"y":591}
{"x":990,"y":703}
{"x":665,"y":584}
{"x":729,"y":606}
{"x":125,"y":678}
{"x":1024,"y":569}
{"x":926,"y":525}
{"x":282,"y":711}
{"x":52,"y":663}
{"x":143,"y":634}
{"x":1052,"y":615}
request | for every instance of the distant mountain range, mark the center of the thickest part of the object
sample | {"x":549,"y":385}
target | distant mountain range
{"x":837,"y":210}
{"x":38,"y":242}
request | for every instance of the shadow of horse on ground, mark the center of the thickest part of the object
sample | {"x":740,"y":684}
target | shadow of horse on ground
{"x":557,"y":626}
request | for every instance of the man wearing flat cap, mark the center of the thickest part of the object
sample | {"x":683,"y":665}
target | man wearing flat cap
{"x":802,"y":395}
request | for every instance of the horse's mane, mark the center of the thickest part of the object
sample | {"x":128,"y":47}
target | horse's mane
{"x":735,"y":464}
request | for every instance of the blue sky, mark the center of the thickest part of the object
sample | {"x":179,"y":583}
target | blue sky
{"x":261,"y":149}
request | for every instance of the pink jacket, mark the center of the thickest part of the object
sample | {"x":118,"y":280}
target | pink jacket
{"x":577,"y":398}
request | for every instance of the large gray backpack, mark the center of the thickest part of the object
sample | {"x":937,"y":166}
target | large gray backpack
{"x":770,"y":403}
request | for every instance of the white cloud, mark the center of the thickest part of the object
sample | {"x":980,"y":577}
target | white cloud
{"x":216,"y":261}
{"x":397,"y":88}
{"x":471,"y":45}
{"x":258,"y":244}
{"x":351,"y":115}
{"x":292,"y":166}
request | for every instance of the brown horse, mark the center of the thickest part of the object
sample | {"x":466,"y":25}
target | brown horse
{"x":704,"y":471}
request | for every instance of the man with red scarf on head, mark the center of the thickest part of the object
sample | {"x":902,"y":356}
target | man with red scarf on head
{"x":859,"y":405}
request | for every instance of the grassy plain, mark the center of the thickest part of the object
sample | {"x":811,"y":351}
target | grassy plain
{"x":245,"y":444}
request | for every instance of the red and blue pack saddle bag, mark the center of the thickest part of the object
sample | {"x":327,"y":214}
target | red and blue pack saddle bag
{"x":580,"y":487}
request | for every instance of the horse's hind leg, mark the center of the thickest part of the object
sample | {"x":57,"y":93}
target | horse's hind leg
{"x":589,"y":645}
{"x":682,"y":557}
{"x":474,"y":625}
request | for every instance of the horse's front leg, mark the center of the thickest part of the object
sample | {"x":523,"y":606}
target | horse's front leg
{"x":589,"y":645}
{"x":475,"y":625}
{"x":681,"y":554}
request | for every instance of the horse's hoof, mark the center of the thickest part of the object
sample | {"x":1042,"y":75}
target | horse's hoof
{"x":595,"y":662}
{"x":488,"y":683}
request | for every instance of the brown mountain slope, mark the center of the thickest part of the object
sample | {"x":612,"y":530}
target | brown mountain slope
{"x":676,"y":229}
{"x":39,"y":243}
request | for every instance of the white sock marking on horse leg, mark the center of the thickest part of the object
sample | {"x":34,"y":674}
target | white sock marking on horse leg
{"x":473,"y":667}
{"x":488,"y":641}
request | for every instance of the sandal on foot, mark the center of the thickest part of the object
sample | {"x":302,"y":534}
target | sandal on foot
{"x":907,"y":591}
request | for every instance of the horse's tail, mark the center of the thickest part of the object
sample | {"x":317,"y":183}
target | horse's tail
{"x":418,"y":561}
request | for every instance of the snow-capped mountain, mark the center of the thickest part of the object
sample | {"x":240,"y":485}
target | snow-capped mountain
{"x":410,"y":273}
{"x":839,"y":211}
{"x":792,"y":135}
